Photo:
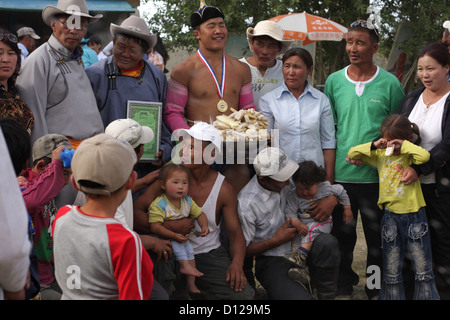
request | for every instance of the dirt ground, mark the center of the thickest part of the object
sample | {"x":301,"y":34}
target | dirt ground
{"x":359,"y":263}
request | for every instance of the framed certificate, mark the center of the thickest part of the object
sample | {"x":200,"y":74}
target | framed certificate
{"x":148,"y":114}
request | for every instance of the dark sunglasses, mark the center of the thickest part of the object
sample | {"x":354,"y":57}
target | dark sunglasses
{"x":363,"y":23}
{"x":8,"y":36}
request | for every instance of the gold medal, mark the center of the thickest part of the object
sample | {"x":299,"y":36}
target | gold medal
{"x":222,"y":106}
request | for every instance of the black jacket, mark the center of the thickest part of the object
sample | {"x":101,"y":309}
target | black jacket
{"x":440,"y":154}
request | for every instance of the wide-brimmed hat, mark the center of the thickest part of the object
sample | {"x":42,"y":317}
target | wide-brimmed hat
{"x":136,"y":27}
{"x":270,"y":29}
{"x":70,"y":7}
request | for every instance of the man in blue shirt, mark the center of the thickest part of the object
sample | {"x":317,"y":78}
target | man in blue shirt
{"x":27,"y":41}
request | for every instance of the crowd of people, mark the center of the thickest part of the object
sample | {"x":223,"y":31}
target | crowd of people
{"x":90,"y":220}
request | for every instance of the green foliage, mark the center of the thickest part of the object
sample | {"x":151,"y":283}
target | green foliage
{"x":425,"y":16}
{"x":172,"y":18}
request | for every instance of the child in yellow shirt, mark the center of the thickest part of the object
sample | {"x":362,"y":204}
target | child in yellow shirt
{"x":404,"y":225}
{"x":173,"y":204}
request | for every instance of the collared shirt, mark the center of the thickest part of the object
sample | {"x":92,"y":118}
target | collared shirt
{"x":261,"y":213}
{"x":358,"y":119}
{"x":23,"y":51}
{"x":305,"y":125}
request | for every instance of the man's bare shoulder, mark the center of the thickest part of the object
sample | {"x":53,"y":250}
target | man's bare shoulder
{"x":240,"y":68}
{"x":227,"y":193}
{"x":238,"y":64}
{"x":182,"y":71}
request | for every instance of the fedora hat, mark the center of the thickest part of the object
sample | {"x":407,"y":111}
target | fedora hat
{"x":70,"y":7}
{"x":135,"y":27}
{"x":270,"y":29}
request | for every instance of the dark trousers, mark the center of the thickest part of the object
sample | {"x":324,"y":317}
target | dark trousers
{"x":323,"y":262}
{"x":363,"y":199}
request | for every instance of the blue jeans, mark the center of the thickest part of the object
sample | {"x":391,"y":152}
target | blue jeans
{"x":403,"y":233}
{"x":182,"y":251}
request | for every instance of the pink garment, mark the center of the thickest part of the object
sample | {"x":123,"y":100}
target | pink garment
{"x":39,"y":193}
{"x":246,"y":97}
{"x":177,"y":97}
{"x":176,"y":100}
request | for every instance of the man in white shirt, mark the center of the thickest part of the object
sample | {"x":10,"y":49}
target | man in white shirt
{"x":268,"y":234}
{"x":27,"y":41}
{"x":266,"y":42}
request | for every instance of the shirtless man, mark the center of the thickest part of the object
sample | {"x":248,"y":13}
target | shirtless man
{"x":192,"y":92}
{"x":199,"y":85}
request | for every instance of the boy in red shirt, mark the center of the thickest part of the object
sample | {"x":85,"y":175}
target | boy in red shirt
{"x":96,"y":257}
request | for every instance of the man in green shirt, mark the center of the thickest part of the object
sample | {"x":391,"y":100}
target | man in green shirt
{"x":361,"y":96}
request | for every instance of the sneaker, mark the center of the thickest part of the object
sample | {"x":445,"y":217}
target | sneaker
{"x":296,"y":258}
{"x":300,"y":275}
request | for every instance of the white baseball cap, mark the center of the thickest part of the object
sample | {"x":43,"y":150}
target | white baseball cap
{"x":204,"y":132}
{"x":130,"y":131}
{"x":447,"y":25}
{"x":274,"y":163}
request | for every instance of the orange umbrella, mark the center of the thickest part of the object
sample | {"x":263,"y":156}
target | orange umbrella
{"x":309,"y":28}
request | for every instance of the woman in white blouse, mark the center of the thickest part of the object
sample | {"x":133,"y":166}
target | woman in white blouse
{"x":429,"y":108}
{"x":301,"y":114}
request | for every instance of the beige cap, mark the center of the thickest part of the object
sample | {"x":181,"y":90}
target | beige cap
{"x":105,"y":161}
{"x":44,"y":146}
{"x":274,"y":163}
{"x":27,"y":31}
